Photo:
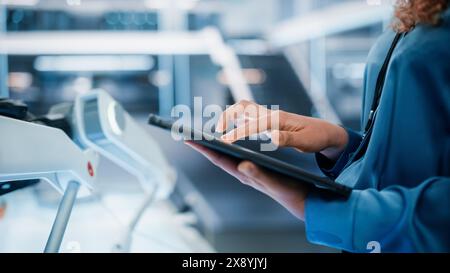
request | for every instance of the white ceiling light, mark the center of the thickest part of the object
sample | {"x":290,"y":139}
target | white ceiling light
{"x":165,"y":4}
{"x":93,"y":63}
{"x":19,"y":2}
{"x":73,"y":2}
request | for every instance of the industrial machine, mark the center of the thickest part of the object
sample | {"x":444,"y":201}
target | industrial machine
{"x":67,"y":156}
{"x":30,"y":151}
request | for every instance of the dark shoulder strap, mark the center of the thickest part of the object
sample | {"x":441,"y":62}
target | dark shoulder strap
{"x":381,"y":80}
{"x":376,"y":101}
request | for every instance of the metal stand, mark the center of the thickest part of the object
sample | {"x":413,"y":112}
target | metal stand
{"x":125,"y":242}
{"x":62,"y":218}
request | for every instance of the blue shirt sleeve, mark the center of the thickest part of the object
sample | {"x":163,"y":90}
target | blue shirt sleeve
{"x":402,"y":217}
{"x":398,"y":218}
{"x":332,"y":168}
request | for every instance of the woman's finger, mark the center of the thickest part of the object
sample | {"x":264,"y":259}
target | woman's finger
{"x":305,"y":140}
{"x":237,"y":111}
{"x":254,"y":126}
{"x":231,"y":114}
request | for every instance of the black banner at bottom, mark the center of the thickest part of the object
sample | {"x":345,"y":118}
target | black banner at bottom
{"x":221,"y":262}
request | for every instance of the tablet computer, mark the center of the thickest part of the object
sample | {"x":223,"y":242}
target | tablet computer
{"x":211,"y":142}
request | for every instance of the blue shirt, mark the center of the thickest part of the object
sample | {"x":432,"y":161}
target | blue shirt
{"x":402,"y":184}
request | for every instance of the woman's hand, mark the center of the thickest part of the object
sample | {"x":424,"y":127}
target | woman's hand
{"x":304,"y":133}
{"x":287,"y":129}
{"x":284,"y":190}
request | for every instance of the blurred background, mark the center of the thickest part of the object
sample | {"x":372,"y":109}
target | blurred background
{"x":306,"y":56}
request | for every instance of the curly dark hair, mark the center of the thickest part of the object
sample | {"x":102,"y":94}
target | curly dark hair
{"x":409,"y":13}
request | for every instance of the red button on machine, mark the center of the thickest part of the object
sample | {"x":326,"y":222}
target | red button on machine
{"x":90,"y":169}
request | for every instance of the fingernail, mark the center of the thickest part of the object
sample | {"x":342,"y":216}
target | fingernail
{"x":246,"y":168}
